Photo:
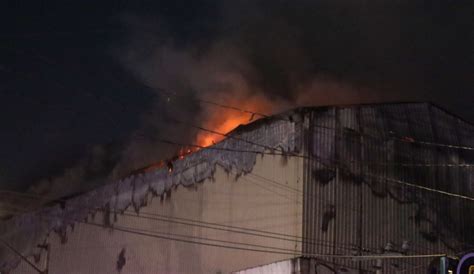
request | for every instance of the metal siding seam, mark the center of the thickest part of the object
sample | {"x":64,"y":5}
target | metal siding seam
{"x":436,"y":174}
{"x":360,"y":188}
{"x":314,"y":147}
{"x":334,"y":190}
{"x":320,"y":140}
{"x":305,"y":150}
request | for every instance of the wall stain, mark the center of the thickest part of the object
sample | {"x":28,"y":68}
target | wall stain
{"x":121,"y":260}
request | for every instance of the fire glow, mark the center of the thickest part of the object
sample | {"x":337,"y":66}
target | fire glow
{"x":222,"y":120}
{"x":206,"y":139}
{"x":225,"y":120}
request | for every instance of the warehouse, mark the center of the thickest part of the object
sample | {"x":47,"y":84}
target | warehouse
{"x":361,"y":188}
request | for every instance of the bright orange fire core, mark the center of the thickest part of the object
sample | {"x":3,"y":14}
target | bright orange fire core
{"x":225,"y":120}
{"x":219,"y":120}
{"x":206,"y":139}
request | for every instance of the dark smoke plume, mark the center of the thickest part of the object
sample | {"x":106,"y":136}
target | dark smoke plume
{"x":284,"y":54}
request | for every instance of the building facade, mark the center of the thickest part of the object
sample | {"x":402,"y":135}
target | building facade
{"x":353,"y":189}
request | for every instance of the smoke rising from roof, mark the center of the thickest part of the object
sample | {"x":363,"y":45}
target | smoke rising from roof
{"x":252,"y":55}
{"x":268,"y":56}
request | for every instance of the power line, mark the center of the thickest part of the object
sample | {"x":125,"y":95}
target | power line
{"x":220,"y":227}
{"x":209,"y":102}
{"x":21,"y":256}
{"x":408,"y":140}
{"x":164,"y":235}
{"x":294,"y":190}
{"x":214,"y":147}
{"x":244,"y":231}
{"x":296,"y":155}
{"x":401,"y":139}
{"x":439,"y":145}
{"x":384,"y":178}
{"x":233,"y":229}
{"x":377,"y":163}
{"x":389,"y":180}
{"x":227,"y":135}
{"x":408,"y":184}
{"x":370,"y":175}
{"x":282,"y":252}
{"x":251,"y":232}
{"x":400,"y":182}
{"x":275,"y":192}
{"x":212,"y":103}
{"x":427,"y":188}
{"x":282,"y":186}
{"x":206,"y":239}
{"x":267,"y":181}
{"x":322,"y":160}
{"x":201,"y":238}
{"x":411,"y":140}
{"x":302,"y":156}
{"x":341,"y":256}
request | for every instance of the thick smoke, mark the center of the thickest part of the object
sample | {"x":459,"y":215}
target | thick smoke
{"x":84,"y":175}
{"x":269,"y":56}
{"x":220,"y":74}
{"x":253,"y":56}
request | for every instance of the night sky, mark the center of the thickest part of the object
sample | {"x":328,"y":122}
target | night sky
{"x":77,"y":78}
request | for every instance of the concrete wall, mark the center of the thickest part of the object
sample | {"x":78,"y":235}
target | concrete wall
{"x":269,"y":198}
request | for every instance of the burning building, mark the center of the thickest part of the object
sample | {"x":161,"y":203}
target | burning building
{"x":382,"y":188}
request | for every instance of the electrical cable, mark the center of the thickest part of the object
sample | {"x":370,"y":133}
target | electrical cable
{"x":23,"y":258}
{"x":340,"y":256}
{"x":383,"y":178}
{"x":165,"y":141}
{"x":288,"y":253}
{"x":208,"y":102}
{"x":220,"y":227}
{"x":204,"y":238}
{"x":234,"y":229}
{"x":401,"y":139}
{"x":405,"y":183}
{"x":160,"y":90}
{"x":400,"y":182}
{"x":320,"y":126}
{"x":322,"y":160}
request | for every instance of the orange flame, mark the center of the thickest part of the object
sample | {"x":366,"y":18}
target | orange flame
{"x":221,"y":120}
{"x":185,"y":151}
{"x":225,"y":120}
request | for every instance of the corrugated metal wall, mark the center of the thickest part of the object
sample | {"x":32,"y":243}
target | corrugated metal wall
{"x":353,"y":203}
